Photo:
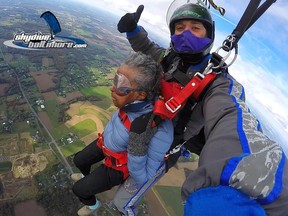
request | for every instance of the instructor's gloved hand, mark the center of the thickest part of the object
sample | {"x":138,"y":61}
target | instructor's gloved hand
{"x":129,"y":21}
{"x":141,"y":132}
{"x":221,"y":200}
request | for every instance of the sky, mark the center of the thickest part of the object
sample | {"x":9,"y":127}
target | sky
{"x":261,"y":66}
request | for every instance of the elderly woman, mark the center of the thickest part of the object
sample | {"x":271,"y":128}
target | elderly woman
{"x":126,"y":153}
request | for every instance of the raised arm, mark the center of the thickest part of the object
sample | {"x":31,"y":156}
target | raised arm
{"x":137,"y":35}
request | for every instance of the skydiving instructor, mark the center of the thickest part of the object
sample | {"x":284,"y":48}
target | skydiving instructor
{"x":241,"y":171}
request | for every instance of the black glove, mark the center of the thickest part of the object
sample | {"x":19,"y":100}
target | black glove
{"x":129,"y":21}
{"x":141,"y":132}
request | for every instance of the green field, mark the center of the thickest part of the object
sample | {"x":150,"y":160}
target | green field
{"x":94,"y":70}
{"x":2,"y":107}
{"x":22,"y":127}
{"x":12,"y":97}
{"x":72,"y":148}
{"x":5,"y":137}
{"x":99,"y":115}
{"x":171,"y":196}
{"x":60,"y":131}
{"x":100,"y":91}
{"x":84,"y":33}
{"x":103,"y":92}
{"x":104,"y":104}
{"x":102,"y":118}
{"x":5,"y":166}
{"x":87,"y":111}
{"x":53,"y":111}
{"x":84,"y":128}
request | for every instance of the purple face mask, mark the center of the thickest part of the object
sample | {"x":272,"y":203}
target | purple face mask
{"x":186,"y":41}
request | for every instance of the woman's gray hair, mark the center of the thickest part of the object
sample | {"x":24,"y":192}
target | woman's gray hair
{"x":149,"y":73}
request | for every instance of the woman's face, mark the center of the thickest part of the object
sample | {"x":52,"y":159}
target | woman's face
{"x":195,"y":27}
{"x":124,"y":91}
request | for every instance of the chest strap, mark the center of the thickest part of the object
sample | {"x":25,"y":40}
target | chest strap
{"x":127,"y":123}
{"x":194,"y":89}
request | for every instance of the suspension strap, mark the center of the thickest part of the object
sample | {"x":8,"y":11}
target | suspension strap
{"x":250,"y":16}
{"x":260,"y":11}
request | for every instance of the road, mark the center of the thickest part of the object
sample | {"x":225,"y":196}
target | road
{"x":53,"y":142}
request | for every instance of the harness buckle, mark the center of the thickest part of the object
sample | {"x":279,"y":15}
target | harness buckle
{"x":172,"y":110}
{"x":202,"y":76}
{"x":174,"y":150}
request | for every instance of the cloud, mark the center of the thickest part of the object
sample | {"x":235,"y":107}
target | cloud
{"x":279,"y":10}
{"x":154,"y":14}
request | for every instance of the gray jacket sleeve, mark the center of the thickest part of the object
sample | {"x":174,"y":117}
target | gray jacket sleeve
{"x":141,"y":42}
{"x":236,"y":152}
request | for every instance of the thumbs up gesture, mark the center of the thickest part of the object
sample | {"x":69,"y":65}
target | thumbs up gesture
{"x":129,"y":21}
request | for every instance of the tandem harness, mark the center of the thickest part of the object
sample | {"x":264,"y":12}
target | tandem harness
{"x":163,"y":109}
{"x":115,"y":160}
{"x":169,"y":107}
{"x":118,"y":160}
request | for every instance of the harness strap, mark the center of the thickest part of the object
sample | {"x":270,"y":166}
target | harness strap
{"x":206,"y":80}
{"x":127,"y":123}
{"x":114,"y":160}
{"x":194,"y":88}
{"x":260,"y":10}
{"x":119,"y":160}
{"x":124,"y":118}
{"x":181,"y":77}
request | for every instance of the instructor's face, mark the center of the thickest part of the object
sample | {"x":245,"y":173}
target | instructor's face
{"x":195,"y":27}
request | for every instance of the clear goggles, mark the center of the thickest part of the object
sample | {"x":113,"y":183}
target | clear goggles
{"x":122,"y":85}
